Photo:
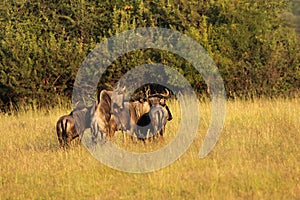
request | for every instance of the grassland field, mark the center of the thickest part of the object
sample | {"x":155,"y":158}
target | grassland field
{"x":257,"y":157}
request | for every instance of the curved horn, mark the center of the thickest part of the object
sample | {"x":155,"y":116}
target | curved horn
{"x":117,"y":86}
{"x":167,"y":93}
{"x":148,"y":92}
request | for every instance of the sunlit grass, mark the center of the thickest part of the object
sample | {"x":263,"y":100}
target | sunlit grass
{"x":257,"y":157}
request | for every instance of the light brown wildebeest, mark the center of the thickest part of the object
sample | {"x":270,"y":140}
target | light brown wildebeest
{"x":128,"y":117}
{"x":139,"y":116}
{"x":102,"y":119}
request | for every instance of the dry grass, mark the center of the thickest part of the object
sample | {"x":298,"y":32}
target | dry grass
{"x":256,"y":157}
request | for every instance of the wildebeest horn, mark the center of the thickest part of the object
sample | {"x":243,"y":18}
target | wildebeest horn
{"x":117,"y":86}
{"x":77,"y":103}
{"x":167,"y":93}
{"x":120,"y":89}
{"x":148,"y":92}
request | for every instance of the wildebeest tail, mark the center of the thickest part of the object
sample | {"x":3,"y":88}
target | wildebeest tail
{"x":64,"y":124}
{"x":159,"y":119}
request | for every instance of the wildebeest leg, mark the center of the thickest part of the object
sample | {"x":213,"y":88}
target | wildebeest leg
{"x":124,"y":136}
{"x":102,"y":127}
{"x":80,"y":137}
{"x":94,"y":131}
{"x":69,"y":139}
{"x":59,"y":136}
{"x":59,"y":132}
{"x":149,"y":136}
{"x":65,"y":134}
{"x":95,"y":134}
{"x":131,"y":134}
{"x":76,"y":140}
{"x":112,"y":128}
{"x":64,"y":139}
{"x":133,"y":131}
{"x":60,"y":140}
{"x":111,"y":134}
{"x":105,"y":133}
{"x":161,"y":134}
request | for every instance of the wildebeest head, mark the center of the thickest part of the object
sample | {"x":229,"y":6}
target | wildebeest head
{"x":117,"y":98}
{"x":158,"y":98}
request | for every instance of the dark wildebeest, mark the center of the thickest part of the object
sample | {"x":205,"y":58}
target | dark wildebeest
{"x":69,"y":127}
{"x":160,"y":99}
{"x":153,"y":121}
{"x":136,"y":116}
{"x":66,"y":131}
{"x":159,"y":115}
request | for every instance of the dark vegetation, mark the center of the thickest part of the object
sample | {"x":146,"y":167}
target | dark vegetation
{"x":43,"y":43}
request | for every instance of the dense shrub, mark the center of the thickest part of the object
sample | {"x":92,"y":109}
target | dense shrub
{"x":43,"y":44}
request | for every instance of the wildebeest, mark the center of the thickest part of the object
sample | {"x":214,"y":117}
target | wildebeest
{"x":66,"y":131}
{"x":113,"y":113}
{"x":101,"y":116}
{"x":136,"y":116}
{"x":157,"y":98}
{"x":159,"y":115}
{"x":160,"y":99}
{"x":153,"y":121}
{"x":69,"y":127}
{"x":127,"y":117}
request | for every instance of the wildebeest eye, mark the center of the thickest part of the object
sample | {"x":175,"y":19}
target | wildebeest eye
{"x":117,"y":107}
{"x":162,"y":102}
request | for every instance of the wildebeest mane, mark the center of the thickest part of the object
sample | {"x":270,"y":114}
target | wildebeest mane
{"x":105,"y":103}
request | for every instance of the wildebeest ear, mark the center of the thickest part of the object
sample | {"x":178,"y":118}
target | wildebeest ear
{"x":115,"y":109}
{"x":77,"y":103}
{"x":117,"y":86}
{"x":170,"y":117}
{"x":141,"y":100}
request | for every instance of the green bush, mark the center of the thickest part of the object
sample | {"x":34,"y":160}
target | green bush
{"x":44,"y":43}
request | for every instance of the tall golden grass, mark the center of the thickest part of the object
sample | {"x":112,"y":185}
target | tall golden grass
{"x":257,"y":157}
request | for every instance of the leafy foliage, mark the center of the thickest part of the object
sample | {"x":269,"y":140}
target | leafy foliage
{"x":43,"y":44}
